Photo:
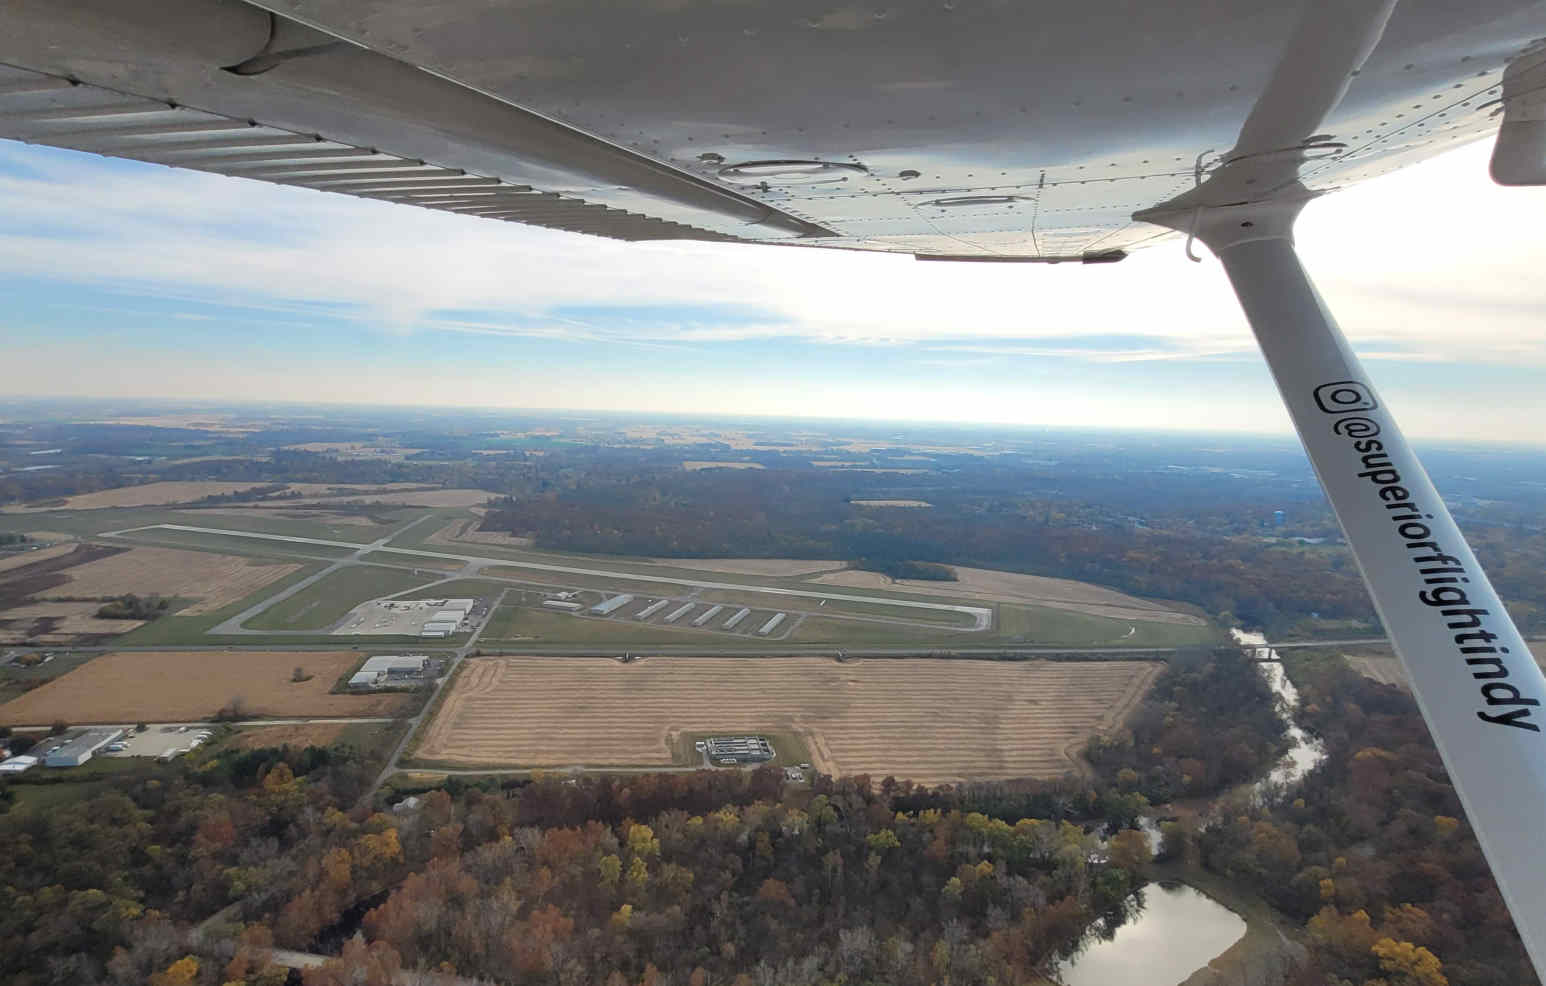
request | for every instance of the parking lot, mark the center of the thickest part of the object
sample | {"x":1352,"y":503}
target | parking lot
{"x":156,"y":740}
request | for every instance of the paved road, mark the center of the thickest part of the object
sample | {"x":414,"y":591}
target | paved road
{"x":413,"y":724}
{"x":210,"y":724}
{"x":731,"y":650}
{"x":1331,"y":643}
{"x":982,"y":615}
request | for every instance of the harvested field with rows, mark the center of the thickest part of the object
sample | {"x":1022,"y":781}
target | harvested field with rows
{"x":934,"y":721}
{"x":184,"y":686}
{"x":214,"y":580}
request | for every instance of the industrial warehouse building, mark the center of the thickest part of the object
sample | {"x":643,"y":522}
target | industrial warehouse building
{"x":80,"y":748}
{"x":739,"y":749}
{"x":366,"y":679}
{"x":740,"y":615}
{"x":391,"y":669}
{"x":397,"y":666}
{"x":771,"y":625}
{"x":440,"y":628}
{"x":609,"y":606}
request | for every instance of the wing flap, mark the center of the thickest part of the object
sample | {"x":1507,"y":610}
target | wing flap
{"x":44,"y":109}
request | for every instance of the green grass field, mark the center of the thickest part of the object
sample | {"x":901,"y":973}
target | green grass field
{"x":321,"y":605}
{"x":515,"y":623}
{"x":228,"y":545}
{"x":61,"y":787}
{"x":1060,"y":627}
{"x":1015,"y":626}
{"x":571,"y":580}
{"x":409,"y":561}
{"x":458,"y":589}
{"x":776,"y":603}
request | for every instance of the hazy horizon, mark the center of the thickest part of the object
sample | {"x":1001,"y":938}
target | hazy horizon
{"x":726,"y":420}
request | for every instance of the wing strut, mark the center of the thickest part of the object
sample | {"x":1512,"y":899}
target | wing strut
{"x":1479,"y":689}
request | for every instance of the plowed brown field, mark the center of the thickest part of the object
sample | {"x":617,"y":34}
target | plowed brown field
{"x":64,"y":621}
{"x":214,"y":580}
{"x":932,"y":721}
{"x":23,"y":558}
{"x":180,"y":686}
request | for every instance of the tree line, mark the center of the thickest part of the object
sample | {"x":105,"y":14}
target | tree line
{"x":1371,"y":849}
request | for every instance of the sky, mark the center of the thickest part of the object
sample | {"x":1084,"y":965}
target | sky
{"x":128,"y":280}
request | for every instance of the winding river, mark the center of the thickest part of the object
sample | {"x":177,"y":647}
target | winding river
{"x":1177,"y":929}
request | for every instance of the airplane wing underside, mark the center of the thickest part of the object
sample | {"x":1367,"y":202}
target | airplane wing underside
{"x":944,"y":128}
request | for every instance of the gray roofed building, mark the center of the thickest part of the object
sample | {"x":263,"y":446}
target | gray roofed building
{"x":80,"y":748}
{"x":366,"y":679}
{"x":396,"y":666}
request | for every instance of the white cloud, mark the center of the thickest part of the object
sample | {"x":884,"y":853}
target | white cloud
{"x":1434,"y":261}
{"x":1432,"y":265}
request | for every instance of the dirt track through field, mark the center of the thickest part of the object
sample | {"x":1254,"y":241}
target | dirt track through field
{"x":933,"y":721}
{"x":214,"y":580}
{"x":181,"y":686}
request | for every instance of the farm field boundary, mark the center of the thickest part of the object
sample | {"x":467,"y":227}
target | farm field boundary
{"x":934,"y":721}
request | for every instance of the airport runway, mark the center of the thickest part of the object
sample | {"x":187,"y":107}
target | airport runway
{"x":981,"y":615}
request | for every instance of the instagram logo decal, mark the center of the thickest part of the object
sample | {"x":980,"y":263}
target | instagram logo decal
{"x":1343,"y":396}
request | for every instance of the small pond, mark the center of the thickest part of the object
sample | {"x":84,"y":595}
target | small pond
{"x":1177,"y":931}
